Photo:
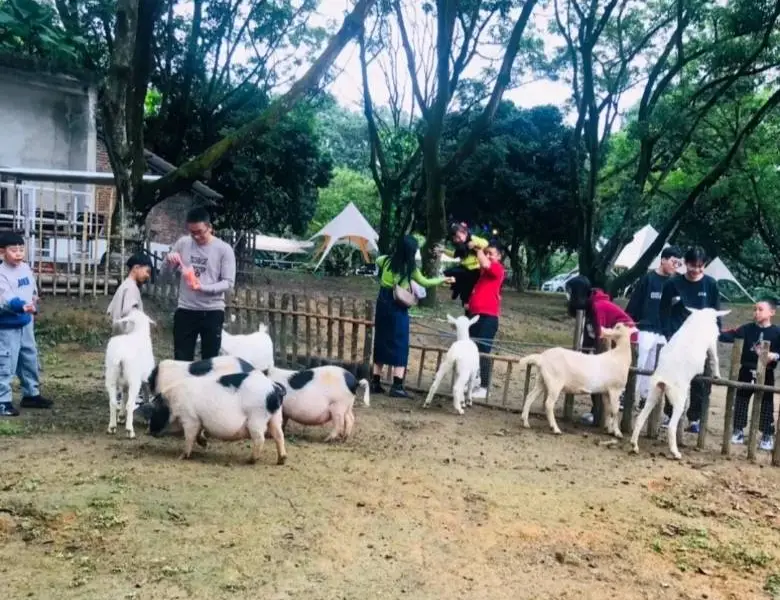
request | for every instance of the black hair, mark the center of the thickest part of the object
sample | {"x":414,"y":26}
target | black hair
{"x":456,"y":227}
{"x":11,"y":238}
{"x":403,"y":261}
{"x":139,"y":259}
{"x":671,"y":252}
{"x":772,"y":302}
{"x":696,"y":254}
{"x":580,"y":290}
{"x":198,"y":214}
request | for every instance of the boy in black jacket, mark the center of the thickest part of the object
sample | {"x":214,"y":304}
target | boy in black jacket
{"x":645,"y":308}
{"x":694,"y":289}
{"x":760,"y":330}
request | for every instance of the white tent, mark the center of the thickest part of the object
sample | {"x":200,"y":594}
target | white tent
{"x":348,"y":227}
{"x":719,"y":271}
{"x":637,"y":247}
{"x":268,"y":243}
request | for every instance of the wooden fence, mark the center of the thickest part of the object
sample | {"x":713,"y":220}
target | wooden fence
{"x":311,"y":330}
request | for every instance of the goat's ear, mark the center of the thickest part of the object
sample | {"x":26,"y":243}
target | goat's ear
{"x":691,"y":310}
{"x":722,"y":313}
{"x":473,"y":319}
{"x":450,"y":319}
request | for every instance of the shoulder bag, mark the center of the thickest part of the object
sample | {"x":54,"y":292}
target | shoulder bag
{"x":401,"y":295}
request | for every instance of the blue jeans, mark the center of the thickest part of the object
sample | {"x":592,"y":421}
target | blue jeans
{"x":18,"y":356}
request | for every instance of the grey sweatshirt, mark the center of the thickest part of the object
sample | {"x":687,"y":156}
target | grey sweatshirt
{"x":126,"y":297}
{"x":17,"y":288}
{"x":214,"y":264}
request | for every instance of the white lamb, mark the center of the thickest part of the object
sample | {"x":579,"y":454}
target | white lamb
{"x":129,"y":362}
{"x":256,"y":348}
{"x":463,"y":356}
{"x":320,"y":396}
{"x":564,"y":370}
{"x":229,"y":407}
{"x":679,"y":361}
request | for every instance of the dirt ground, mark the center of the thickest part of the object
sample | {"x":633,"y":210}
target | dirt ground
{"x":419,"y":504}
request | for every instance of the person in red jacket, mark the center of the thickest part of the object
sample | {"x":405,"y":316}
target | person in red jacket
{"x":485,"y":301}
{"x":600,"y":312}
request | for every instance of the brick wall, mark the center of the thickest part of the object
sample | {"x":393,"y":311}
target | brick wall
{"x":166,"y":221}
{"x":103,"y":194}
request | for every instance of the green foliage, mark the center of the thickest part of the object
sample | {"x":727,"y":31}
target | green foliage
{"x":152,"y":102}
{"x":33,"y":28}
{"x":345,"y":187}
{"x":272,"y":183}
{"x":517,"y":179}
{"x":344,"y":135}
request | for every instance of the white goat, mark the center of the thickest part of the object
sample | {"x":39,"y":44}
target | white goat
{"x":463,"y":356}
{"x":129,"y":362}
{"x":256,"y":348}
{"x":319,"y":396}
{"x":564,"y":370}
{"x":679,"y":361}
{"x":228,"y":407}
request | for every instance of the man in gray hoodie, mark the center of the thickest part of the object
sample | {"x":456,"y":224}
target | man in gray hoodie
{"x":201,"y":305}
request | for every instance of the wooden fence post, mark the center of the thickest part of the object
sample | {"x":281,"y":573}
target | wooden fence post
{"x":629,"y":397}
{"x":368,"y":337}
{"x":758,"y":398}
{"x":568,"y":403}
{"x":728,"y":417}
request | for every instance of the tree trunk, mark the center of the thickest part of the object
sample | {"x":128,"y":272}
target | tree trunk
{"x":435,"y":213}
{"x":186,"y":174}
{"x":389,"y":196}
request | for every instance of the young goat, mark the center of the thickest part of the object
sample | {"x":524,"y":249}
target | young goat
{"x":563,"y":370}
{"x":256,"y":348}
{"x":228,"y":407}
{"x":679,"y":361}
{"x":129,"y":361}
{"x":320,"y":396}
{"x":463,"y":356}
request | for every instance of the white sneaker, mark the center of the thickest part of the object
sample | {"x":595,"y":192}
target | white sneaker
{"x":665,"y":424}
{"x":587,"y":419}
{"x":479,"y":394}
{"x":767,"y":443}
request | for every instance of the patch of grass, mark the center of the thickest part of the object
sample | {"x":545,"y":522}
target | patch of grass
{"x":772,"y":585}
{"x":692,"y":546}
{"x":82,"y":325}
{"x":10,"y":428}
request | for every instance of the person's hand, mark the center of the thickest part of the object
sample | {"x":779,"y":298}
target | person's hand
{"x":29,"y":308}
{"x":448,"y":281}
{"x":174,"y":258}
{"x":470,"y":245}
{"x":438,"y":249}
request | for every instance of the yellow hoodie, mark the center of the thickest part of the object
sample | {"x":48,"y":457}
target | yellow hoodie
{"x":470,"y":261}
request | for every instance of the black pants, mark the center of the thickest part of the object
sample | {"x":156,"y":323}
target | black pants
{"x":766,"y":424}
{"x":189,"y":324}
{"x":483,"y":332}
{"x":465,"y":280}
{"x":699,"y":394}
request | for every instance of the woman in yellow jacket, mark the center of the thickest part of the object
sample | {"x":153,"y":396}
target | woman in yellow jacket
{"x":391,"y":321}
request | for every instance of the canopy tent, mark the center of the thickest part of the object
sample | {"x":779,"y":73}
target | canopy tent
{"x":719,"y":271}
{"x":348,"y":227}
{"x":629,"y":256}
{"x":267,"y":243}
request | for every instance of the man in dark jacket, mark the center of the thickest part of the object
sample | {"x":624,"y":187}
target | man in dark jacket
{"x":645,"y":308}
{"x":694,"y":289}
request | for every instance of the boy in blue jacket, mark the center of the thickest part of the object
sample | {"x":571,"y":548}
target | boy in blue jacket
{"x":18,"y":351}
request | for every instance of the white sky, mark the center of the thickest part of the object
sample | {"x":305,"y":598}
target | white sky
{"x":348,"y":89}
